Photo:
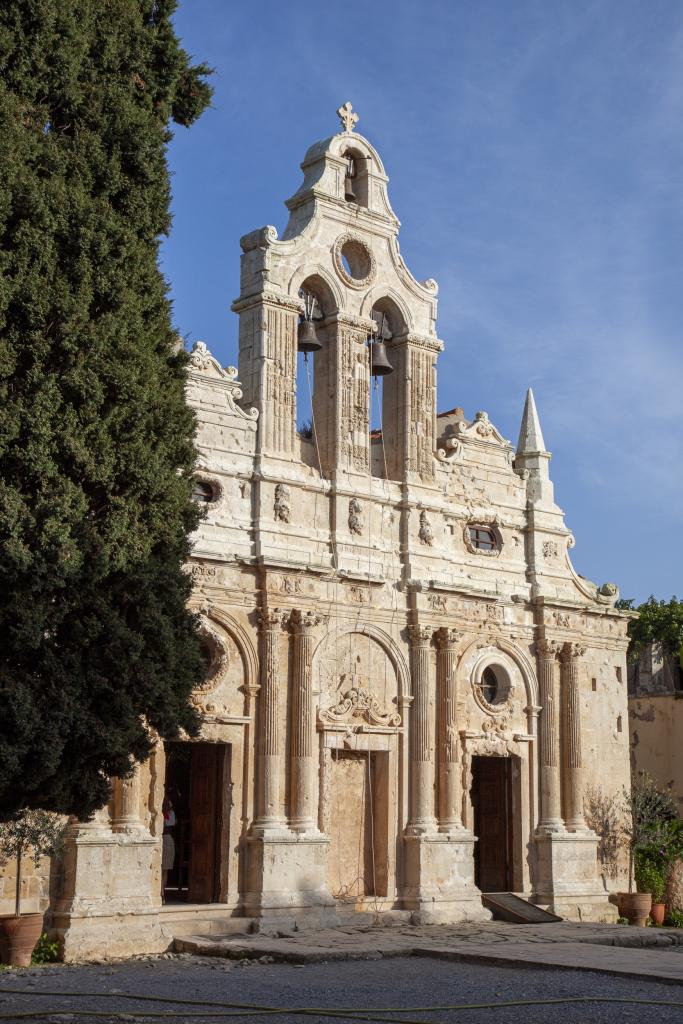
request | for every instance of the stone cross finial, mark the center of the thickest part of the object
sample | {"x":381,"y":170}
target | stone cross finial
{"x":348,"y":117}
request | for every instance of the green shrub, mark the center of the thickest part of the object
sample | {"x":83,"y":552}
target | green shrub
{"x":650,"y":878}
{"x":46,"y":952}
{"x":674,"y":919}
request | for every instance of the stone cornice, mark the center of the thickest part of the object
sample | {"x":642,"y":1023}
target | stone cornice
{"x":267,"y":298}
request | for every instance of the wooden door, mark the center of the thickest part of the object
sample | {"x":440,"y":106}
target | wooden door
{"x":206,"y":804}
{"x":491,"y":799}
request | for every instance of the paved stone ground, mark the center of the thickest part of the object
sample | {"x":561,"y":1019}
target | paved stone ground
{"x":655,"y":953}
{"x":370,"y":988}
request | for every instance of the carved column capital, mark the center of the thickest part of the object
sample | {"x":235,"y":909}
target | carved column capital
{"x":305,"y":621}
{"x":270,"y":619}
{"x":572,"y":651}
{"x":420,"y":636}
{"x":447,"y":638}
{"x":548,"y":650}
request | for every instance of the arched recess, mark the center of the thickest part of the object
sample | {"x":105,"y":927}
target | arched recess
{"x":315,"y":373}
{"x":520,"y":659}
{"x":384,"y":640}
{"x":242,"y":641}
{"x":388,"y":397}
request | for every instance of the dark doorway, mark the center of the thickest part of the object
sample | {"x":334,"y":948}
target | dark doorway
{"x":195,"y":791}
{"x":492,"y":804}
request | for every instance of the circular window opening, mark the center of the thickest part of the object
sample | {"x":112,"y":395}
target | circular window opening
{"x":491,"y":690}
{"x":202,"y":492}
{"x":355,"y":258}
{"x":483,"y":539}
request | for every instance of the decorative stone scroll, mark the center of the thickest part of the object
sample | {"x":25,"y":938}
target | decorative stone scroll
{"x":358,"y":703}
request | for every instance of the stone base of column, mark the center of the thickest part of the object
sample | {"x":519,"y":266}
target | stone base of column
{"x":567,"y":879}
{"x":439,"y":879}
{"x":287,"y":881}
{"x":111,"y":895}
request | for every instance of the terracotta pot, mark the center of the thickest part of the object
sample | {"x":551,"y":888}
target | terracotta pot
{"x":19,"y":938}
{"x":635,"y":906}
{"x":657,"y":912}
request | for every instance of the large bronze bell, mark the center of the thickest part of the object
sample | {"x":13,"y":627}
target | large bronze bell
{"x":379,"y":363}
{"x":307,"y":337}
{"x":349,"y":192}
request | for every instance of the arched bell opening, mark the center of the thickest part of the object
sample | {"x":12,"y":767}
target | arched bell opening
{"x":356,"y":178}
{"x":383,"y":387}
{"x":313,"y":365}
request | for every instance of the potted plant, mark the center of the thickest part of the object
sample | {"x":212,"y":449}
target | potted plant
{"x":647,"y":811}
{"x":650,"y":879}
{"x":27,"y":834}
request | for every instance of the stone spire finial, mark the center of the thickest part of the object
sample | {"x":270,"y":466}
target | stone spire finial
{"x":530,"y":434}
{"x":347,"y":116}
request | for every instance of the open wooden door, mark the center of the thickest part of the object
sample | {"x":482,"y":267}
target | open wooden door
{"x":207,"y":771}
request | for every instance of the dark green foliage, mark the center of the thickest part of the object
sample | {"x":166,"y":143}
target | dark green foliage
{"x":46,"y":951}
{"x":96,"y":441}
{"x":659,"y":622}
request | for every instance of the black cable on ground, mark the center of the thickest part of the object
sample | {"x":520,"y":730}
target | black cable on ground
{"x":227,"y":1010}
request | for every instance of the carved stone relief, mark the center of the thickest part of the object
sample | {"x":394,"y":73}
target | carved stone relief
{"x":357,"y":682}
{"x":425,"y":533}
{"x":282,"y":508}
{"x":356,"y":521}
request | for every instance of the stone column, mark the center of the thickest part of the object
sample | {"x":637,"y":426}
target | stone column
{"x":551,"y":813}
{"x":572,"y":760}
{"x":449,"y":780}
{"x":269,"y":814}
{"x":303,"y":802}
{"x":127,"y":804}
{"x":421,"y":734}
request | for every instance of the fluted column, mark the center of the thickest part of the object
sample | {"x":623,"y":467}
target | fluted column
{"x":421,"y":734}
{"x":127,"y":804}
{"x":572,"y":760}
{"x":551,"y":810}
{"x":450,"y":796}
{"x":303,"y":802}
{"x":269,"y":734}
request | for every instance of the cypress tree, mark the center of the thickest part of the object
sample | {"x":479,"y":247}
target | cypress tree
{"x":97,"y":647}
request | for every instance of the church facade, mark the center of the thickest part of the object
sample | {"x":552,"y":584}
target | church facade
{"x":411,"y":690}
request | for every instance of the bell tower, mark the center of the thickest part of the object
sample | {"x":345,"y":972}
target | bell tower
{"x":336,"y":287}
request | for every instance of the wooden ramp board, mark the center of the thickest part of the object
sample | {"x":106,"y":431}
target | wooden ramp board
{"x":505,"y":906}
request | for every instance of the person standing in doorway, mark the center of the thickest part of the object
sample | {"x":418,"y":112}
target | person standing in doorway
{"x":167,"y":844}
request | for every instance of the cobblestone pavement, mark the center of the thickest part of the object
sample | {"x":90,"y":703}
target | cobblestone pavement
{"x":645,"y":952}
{"x":367,"y":989}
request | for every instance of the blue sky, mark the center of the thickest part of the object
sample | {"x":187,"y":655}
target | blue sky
{"x":535,"y":151}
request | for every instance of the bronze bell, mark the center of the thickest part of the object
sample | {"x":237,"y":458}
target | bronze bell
{"x":349,"y":193}
{"x":307,"y":337}
{"x":379,"y":363}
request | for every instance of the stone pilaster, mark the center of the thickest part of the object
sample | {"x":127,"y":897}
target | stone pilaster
{"x":421,"y":734}
{"x":450,"y":796}
{"x":410,"y":407}
{"x":303,"y":797}
{"x":549,"y":758}
{"x":572,"y":759}
{"x":269,"y":805}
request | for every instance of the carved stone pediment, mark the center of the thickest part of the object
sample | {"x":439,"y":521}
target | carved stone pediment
{"x":358,"y":705}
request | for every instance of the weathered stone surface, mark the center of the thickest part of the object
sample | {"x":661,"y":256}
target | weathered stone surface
{"x":355,"y":620}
